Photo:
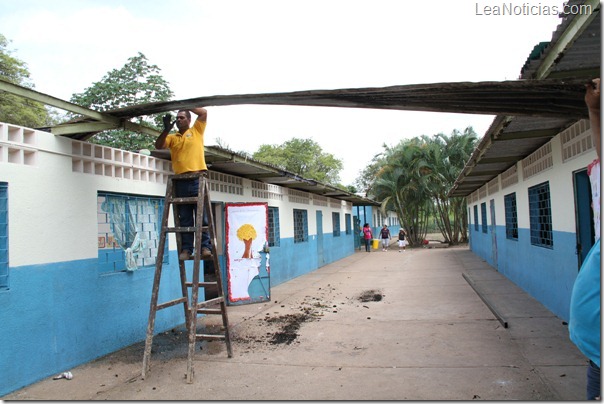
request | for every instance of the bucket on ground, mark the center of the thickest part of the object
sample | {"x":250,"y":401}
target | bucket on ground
{"x":376,"y":243}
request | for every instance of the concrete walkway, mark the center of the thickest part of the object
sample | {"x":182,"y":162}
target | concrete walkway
{"x":373,"y":326}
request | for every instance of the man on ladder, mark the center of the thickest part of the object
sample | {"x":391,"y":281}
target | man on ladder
{"x":188,"y":193}
{"x":187,"y":154}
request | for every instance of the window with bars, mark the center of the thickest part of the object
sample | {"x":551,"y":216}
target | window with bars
{"x":540,"y":213}
{"x":511,"y":216}
{"x":335,"y":219}
{"x":274,"y":232}
{"x":300,"y":226}
{"x":483,"y":213}
{"x":476,"y":217}
{"x":348,"y":223}
{"x":4,"y":235}
{"x":128,"y":231}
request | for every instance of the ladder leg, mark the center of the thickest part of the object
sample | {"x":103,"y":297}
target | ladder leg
{"x":156,"y":279}
{"x":181,"y":264}
{"x":192,"y":320}
{"x":225,"y":319}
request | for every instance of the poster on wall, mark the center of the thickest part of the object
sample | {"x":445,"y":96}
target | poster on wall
{"x":246,"y":252}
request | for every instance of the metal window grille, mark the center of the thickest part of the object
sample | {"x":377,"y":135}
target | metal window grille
{"x":138,"y":215}
{"x":4,"y":235}
{"x":274,"y":239}
{"x":483,"y":213}
{"x":540,"y":213}
{"x":511,"y":216}
{"x":335,"y":218}
{"x":476,"y":217}
{"x":300,"y":226}
{"x":348,"y":223}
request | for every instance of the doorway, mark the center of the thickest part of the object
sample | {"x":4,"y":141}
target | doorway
{"x":583,"y":215}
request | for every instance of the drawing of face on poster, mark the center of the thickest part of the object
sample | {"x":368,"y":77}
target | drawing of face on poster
{"x":246,"y":236}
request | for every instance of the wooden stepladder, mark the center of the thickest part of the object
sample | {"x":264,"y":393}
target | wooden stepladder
{"x":191,"y":304}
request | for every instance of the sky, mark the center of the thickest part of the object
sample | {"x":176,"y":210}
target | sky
{"x":223,"y":47}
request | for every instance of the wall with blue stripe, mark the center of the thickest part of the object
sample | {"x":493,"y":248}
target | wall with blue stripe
{"x":546,"y":274}
{"x":56,"y":316}
{"x":63,"y":302}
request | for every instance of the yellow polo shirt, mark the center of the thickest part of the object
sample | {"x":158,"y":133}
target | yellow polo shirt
{"x":186,"y":150}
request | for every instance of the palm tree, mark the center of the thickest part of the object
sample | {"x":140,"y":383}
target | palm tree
{"x":446,"y":157}
{"x":402,"y":187}
{"x":413,"y":179}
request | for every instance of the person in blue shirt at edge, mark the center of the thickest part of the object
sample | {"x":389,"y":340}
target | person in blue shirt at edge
{"x":187,"y":154}
{"x":584,"y":324}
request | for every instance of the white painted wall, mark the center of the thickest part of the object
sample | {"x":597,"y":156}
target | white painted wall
{"x":560,"y":178}
{"x":53,"y":185}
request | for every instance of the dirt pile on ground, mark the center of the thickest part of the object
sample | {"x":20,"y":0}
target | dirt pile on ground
{"x":278,"y":329}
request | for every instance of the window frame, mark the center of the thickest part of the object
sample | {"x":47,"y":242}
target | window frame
{"x":540,"y":215}
{"x":511,"y":216}
{"x":335,"y":222}
{"x":274,"y":229}
{"x":483,"y":215}
{"x":109,"y":263}
{"x":300,"y":225}
{"x":4,"y":259}
{"x":348,"y":223}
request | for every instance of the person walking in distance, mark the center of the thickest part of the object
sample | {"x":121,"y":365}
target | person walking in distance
{"x":367,"y":236}
{"x":187,"y":154}
{"x":386,"y":237}
{"x":402,"y":243}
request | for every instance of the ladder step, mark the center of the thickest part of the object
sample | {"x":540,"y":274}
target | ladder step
{"x":210,"y":302}
{"x":203,"y":284}
{"x":171,"y":303}
{"x":184,"y":229}
{"x":209,"y":311}
{"x":183,"y":200}
{"x":211,"y":337}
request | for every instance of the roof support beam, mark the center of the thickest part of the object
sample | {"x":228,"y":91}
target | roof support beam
{"x":527,"y":135}
{"x":505,"y":159}
{"x":105,"y":121}
{"x":484,"y":173}
{"x":55,"y":102}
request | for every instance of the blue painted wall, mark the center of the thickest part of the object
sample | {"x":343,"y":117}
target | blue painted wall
{"x":546,"y":274}
{"x":60,"y":315}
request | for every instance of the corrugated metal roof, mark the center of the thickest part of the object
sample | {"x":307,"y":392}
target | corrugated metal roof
{"x":547,"y":99}
{"x":510,"y":138}
{"x":229,"y":162}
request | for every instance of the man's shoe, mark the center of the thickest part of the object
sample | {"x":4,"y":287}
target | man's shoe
{"x":185,"y":255}
{"x":206,"y":253}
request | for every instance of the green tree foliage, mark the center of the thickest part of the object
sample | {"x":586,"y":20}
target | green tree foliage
{"x":13,"y":109}
{"x":446,"y":158}
{"x":303,"y":157}
{"x":137,"y":82}
{"x":413,"y":179}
